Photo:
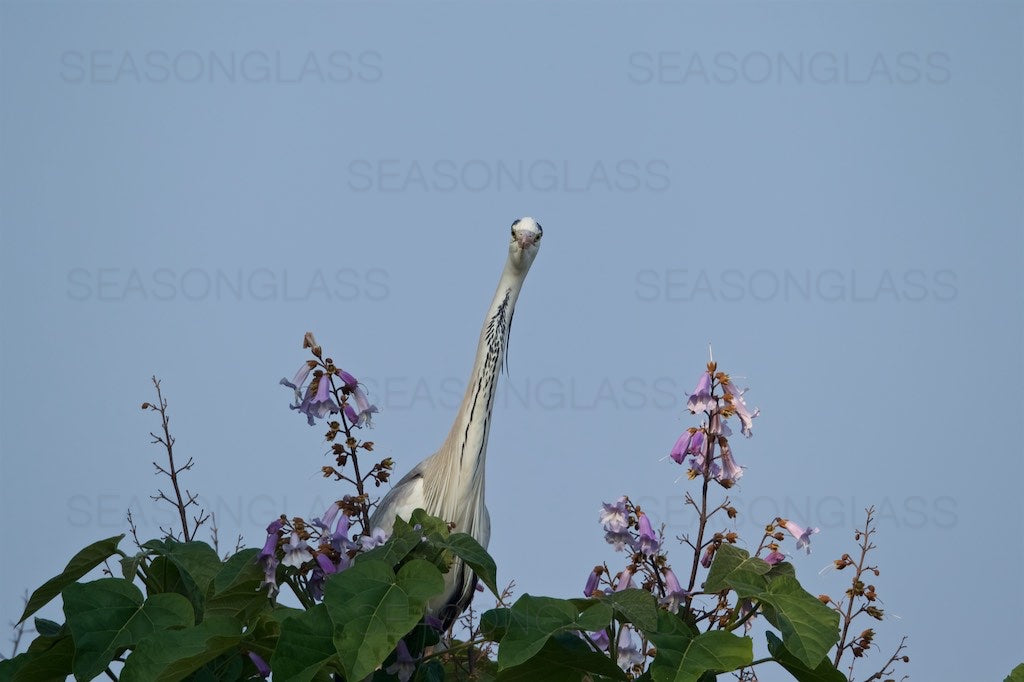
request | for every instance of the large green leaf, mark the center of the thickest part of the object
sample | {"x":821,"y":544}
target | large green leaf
{"x":476,"y":557}
{"x":809,"y":628}
{"x":47,"y":658}
{"x":494,"y":623}
{"x":533,"y":620}
{"x":108,"y":615}
{"x":563,"y":658}
{"x":735,"y":568}
{"x":372,"y":608}
{"x":237,"y":589}
{"x":825,"y":672}
{"x":197,"y":565}
{"x":80,"y":564}
{"x":305,"y":646}
{"x":170,"y":655}
{"x":684,"y":656}
{"x":634,"y":606}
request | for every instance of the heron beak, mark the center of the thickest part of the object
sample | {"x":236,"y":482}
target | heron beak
{"x":525,"y":239}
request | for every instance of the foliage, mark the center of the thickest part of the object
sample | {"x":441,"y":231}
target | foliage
{"x":178,"y":610}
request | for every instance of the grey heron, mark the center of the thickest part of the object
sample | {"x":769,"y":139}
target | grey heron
{"x":450,"y":483}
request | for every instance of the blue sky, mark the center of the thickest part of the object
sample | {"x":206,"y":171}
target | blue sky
{"x":827,"y":192}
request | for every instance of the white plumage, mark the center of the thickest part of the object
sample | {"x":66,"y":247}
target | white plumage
{"x":450,"y":483}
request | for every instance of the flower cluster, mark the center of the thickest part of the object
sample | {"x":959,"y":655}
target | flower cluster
{"x":329,"y":391}
{"x":718,"y":398}
{"x":309,"y":552}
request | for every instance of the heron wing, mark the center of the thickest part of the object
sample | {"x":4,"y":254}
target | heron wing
{"x":402,"y":500}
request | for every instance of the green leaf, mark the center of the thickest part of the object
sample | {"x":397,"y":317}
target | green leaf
{"x":305,"y":646}
{"x":809,"y":628}
{"x":735,"y":568}
{"x":80,"y":564}
{"x":431,"y":671}
{"x":1016,"y":675}
{"x":476,"y":557}
{"x":684,"y":656}
{"x":563,"y":658}
{"x":237,"y":589}
{"x":130,"y":565}
{"x":494,"y":623}
{"x":170,"y":655}
{"x":400,"y":544}
{"x":108,"y":615}
{"x":533,"y":620}
{"x":47,"y":628}
{"x":825,"y":672}
{"x":47,"y":658}
{"x":372,"y":608}
{"x":634,"y":606}
{"x":197,"y":565}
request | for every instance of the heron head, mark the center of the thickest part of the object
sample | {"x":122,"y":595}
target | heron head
{"x":525,"y":242}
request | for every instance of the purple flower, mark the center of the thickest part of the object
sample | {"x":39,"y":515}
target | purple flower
{"x":269,"y":574}
{"x":802,"y":535}
{"x":318,"y":402}
{"x":339,"y":538}
{"x":718,"y":427}
{"x":628,"y":650}
{"x":649,"y":542}
{"x":326,"y":565}
{"x":619,"y":540}
{"x":261,"y":666}
{"x":296,"y":552}
{"x":347,"y":379}
{"x":273,"y":533}
{"x":591,"y":585}
{"x":674,"y":592}
{"x":730,"y":472}
{"x":365,"y":409}
{"x":315,"y":586}
{"x":600,"y":638}
{"x":404,"y":665}
{"x":374,"y":539}
{"x":328,"y":517}
{"x":701,"y":398}
{"x":734,"y":397}
{"x":625,"y":579}
{"x":300,"y":378}
{"x":614,"y":517}
{"x":709,"y":554}
{"x":690,"y":443}
{"x":775,"y":557}
{"x":746,"y":606}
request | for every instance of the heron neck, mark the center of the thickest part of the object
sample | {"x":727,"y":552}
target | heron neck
{"x":467,"y":441}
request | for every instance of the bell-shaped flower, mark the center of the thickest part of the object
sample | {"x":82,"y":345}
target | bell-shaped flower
{"x":614,"y":516}
{"x":734,"y":397}
{"x":648,"y":542}
{"x":362,"y":414}
{"x":719,"y":426}
{"x":592,"y":582}
{"x":802,"y":535}
{"x":269,"y":574}
{"x":300,"y":378}
{"x":619,"y":539}
{"x":339,"y":538}
{"x":324,"y":522}
{"x":273,"y":534}
{"x":296,"y":552}
{"x":690,"y":443}
{"x":674,"y":592}
{"x":729,"y":472}
{"x":318,"y":402}
{"x":600,"y":638}
{"x":709,"y":555}
{"x":350,"y":381}
{"x":404,"y":665}
{"x":625,"y":579}
{"x":629,"y":654}
{"x":261,"y":666}
{"x":701,"y":400}
{"x":376,"y":538}
{"x":774,"y":557}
